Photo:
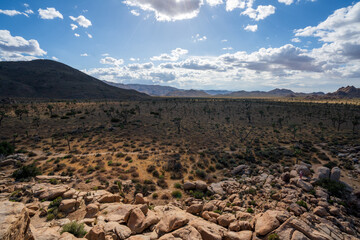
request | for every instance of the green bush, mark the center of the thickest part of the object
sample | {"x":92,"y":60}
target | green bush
{"x":50,"y":217}
{"x":273,"y":236}
{"x":197,"y":194}
{"x":177,"y":185}
{"x":201,"y":174}
{"x":26,"y":172}
{"x":334,"y":188}
{"x":176,"y":194}
{"x":55,"y":203}
{"x":74,"y":228}
{"x":155,"y":195}
{"x":250,"y":210}
{"x":6,"y":148}
{"x":301,"y":203}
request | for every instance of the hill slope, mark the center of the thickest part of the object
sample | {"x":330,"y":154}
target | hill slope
{"x":54,"y":80}
{"x":152,"y":90}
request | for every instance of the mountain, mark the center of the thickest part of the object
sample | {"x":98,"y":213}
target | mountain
{"x":217,"y":92}
{"x":273,"y":93}
{"x":53,"y":80}
{"x":152,"y":90}
{"x":188,"y":93}
{"x":346,"y":92}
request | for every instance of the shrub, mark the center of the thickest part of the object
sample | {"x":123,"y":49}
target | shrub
{"x":26,"y":172}
{"x":176,"y":194}
{"x":177,"y":185}
{"x":74,"y":228}
{"x":50,"y":217}
{"x":301,"y":203}
{"x":334,"y":188}
{"x":250,"y":210}
{"x":273,"y":236}
{"x":198,"y":194}
{"x":55,"y":203}
{"x":6,"y":148}
{"x":201,"y":174}
{"x":155,"y":195}
{"x":53,"y":181}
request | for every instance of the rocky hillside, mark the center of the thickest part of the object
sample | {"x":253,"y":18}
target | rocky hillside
{"x":46,"y":79}
{"x":346,"y":92}
{"x":302,"y":202}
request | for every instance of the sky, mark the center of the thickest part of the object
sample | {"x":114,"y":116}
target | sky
{"x":302,"y":45}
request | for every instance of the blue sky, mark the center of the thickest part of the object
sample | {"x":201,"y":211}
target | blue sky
{"x":303,"y":45}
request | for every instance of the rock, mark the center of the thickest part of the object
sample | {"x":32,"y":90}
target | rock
{"x":118,"y":212}
{"x":267,"y":222}
{"x":237,"y":226}
{"x":335,"y":174}
{"x":195,"y":208}
{"x":208,"y":230}
{"x":296,"y":209}
{"x":200,"y":185}
{"x":320,"y":211}
{"x":91,"y":210}
{"x":185,"y":233}
{"x":302,"y":168}
{"x":96,"y":233}
{"x":285,"y":177}
{"x":117,"y":230}
{"x":171,"y":221}
{"x":189,"y":186}
{"x":111,"y":198}
{"x":53,"y":192}
{"x":68,"y":205}
{"x":69,"y":194}
{"x":239,"y":169}
{"x":48,"y":178}
{"x":135,"y":220}
{"x":304,"y":185}
{"x":139,"y":199}
{"x":46,"y":233}
{"x":139,"y":237}
{"x":321,"y":173}
{"x":334,"y":211}
{"x":14,"y":222}
{"x":225,"y":219}
{"x":216,"y":188}
{"x":320,"y":193}
{"x":299,"y":236}
{"x":243,"y":235}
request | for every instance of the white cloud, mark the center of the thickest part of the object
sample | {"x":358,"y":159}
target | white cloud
{"x":73,"y":26}
{"x":260,"y":13}
{"x":11,"y":13}
{"x":174,"y":56}
{"x":112,"y":61}
{"x":134,"y":59}
{"x":198,"y":38}
{"x":227,"y":48}
{"x":170,"y":10}
{"x":89,"y":35}
{"x":29,"y":11}
{"x":49,"y":13}
{"x":214,"y":2}
{"x":232,"y":4}
{"x":15,"y":48}
{"x":296,"y":40}
{"x":105,"y":54}
{"x":82,"y":21}
{"x":287,"y":2}
{"x":224,"y":40}
{"x":54,"y":58}
{"x":76,"y":35}
{"x":84,"y":55}
{"x":251,"y":28}
{"x":135,"y":13}
{"x":26,"y":5}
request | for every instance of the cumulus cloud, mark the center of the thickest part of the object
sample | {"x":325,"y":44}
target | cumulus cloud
{"x":170,"y":10}
{"x":260,"y":13}
{"x":73,"y":26}
{"x":76,"y":35}
{"x":214,"y":2}
{"x":84,"y":55}
{"x":112,"y":61}
{"x":17,"y":48}
{"x":49,"y":13}
{"x":296,"y":40}
{"x":286,"y":2}
{"x":82,"y":21}
{"x":54,"y":58}
{"x":173,"y":56}
{"x":251,"y":28}
{"x":227,"y":48}
{"x":89,"y":35}
{"x":135,"y":13}
{"x":233,"y":4}
{"x":198,"y":38}
{"x":11,"y":13}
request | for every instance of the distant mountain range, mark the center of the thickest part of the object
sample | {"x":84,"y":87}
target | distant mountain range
{"x":53,"y":80}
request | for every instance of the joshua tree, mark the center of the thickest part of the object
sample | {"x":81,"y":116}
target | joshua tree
{"x":68,"y":141}
{"x":50,"y":107}
{"x":20,"y":112}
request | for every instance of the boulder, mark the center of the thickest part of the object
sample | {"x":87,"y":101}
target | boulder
{"x":96,"y":233}
{"x":320,"y":211}
{"x":14,"y":222}
{"x":237,"y":226}
{"x":91,"y":210}
{"x":139,"y":199}
{"x":110,"y":198}
{"x":299,"y":236}
{"x":208,"y":230}
{"x":68,"y":205}
{"x":116,"y":230}
{"x":189,"y":186}
{"x":321,"y":173}
{"x":200,"y":185}
{"x":136,"y":220}
{"x":171,"y":221}
{"x":267,"y":222}
{"x":306,"y":186}
{"x":243,"y":235}
{"x":53,"y":192}
{"x":216,"y":188}
{"x":225,"y":219}
{"x":118,"y":212}
{"x":302,"y":168}
{"x":239,"y":169}
{"x":185,"y":233}
{"x":195,"y":208}
{"x":335,"y":174}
